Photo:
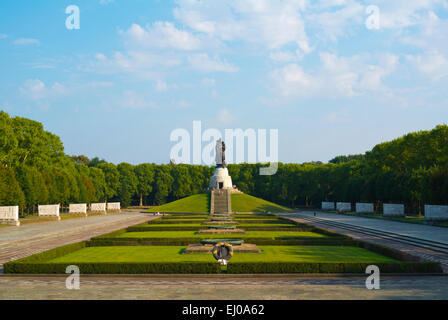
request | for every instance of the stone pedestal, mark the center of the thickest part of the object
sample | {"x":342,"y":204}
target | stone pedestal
{"x":221,"y":179}
{"x":199,"y":248}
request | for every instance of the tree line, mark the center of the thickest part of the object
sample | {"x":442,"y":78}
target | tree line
{"x":35,"y":170}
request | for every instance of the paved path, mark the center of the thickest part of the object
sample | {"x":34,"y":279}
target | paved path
{"x":23,"y":241}
{"x":215,"y":288}
{"x":415,"y":230}
{"x":408,"y":229}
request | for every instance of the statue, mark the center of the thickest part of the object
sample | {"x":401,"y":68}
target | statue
{"x":220,"y":179}
{"x":220,"y":154}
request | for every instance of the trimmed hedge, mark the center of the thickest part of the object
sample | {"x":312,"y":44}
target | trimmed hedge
{"x":48,"y":255}
{"x":115,"y":268}
{"x":37,"y":264}
{"x":111,"y":235}
{"x":187,"y":241}
{"x":271,"y":221}
{"x":175,"y":221}
{"x":290,"y":267}
{"x":190,"y":228}
{"x":386,"y":251}
{"x":184,"y":217}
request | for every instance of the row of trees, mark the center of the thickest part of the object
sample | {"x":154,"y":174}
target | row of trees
{"x":35,"y":170}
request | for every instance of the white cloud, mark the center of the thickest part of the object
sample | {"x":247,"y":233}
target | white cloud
{"x":209,"y":82}
{"x":270,"y":23}
{"x":406,"y":13}
{"x":3,"y":36}
{"x":291,"y":80}
{"x":182,"y":104}
{"x":284,"y":56}
{"x":161,"y":86}
{"x":142,"y":64}
{"x":336,"y":77}
{"x":135,"y":101}
{"x":334,"y":23}
{"x":202,"y":62}
{"x":432,"y":63}
{"x":37,"y":90}
{"x":153,"y":51}
{"x":161,"y":35}
{"x":26,"y":41}
{"x":225,"y":117}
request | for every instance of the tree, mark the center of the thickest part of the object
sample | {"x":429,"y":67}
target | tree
{"x":33,"y":186}
{"x":145,"y":177}
{"x":162,"y":184}
{"x":128,"y":183}
{"x":112,"y":178}
{"x":10,"y":192}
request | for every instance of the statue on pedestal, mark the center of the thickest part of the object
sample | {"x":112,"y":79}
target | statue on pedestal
{"x":220,"y":179}
{"x":220,"y":154}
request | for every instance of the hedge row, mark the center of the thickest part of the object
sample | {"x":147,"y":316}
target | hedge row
{"x":174,"y":221}
{"x":270,"y":221}
{"x":48,"y":255}
{"x":184,"y":217}
{"x":111,"y":235}
{"x":105,"y":242}
{"x":190,"y":228}
{"x":386,"y":251}
{"x":290,"y":267}
{"x":213,"y":268}
{"x":115,"y":268}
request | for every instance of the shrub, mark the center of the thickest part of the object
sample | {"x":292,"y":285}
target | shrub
{"x":289,"y":267}
{"x":115,"y":268}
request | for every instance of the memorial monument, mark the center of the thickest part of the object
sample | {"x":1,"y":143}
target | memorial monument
{"x":221,"y":179}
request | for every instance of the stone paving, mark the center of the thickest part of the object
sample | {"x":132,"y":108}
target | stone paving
{"x":228,"y":288}
{"x":29,"y":239}
{"x":421,"y":231}
{"x":26,"y":240}
{"x":402,"y":228}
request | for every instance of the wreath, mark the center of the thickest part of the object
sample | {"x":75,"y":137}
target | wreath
{"x":223,"y":251}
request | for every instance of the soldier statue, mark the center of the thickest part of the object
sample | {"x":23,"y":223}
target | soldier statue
{"x":220,"y":154}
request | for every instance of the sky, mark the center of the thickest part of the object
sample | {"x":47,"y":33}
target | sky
{"x":334,"y":77}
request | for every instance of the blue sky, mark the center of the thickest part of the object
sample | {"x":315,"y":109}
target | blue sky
{"x":136,"y":70}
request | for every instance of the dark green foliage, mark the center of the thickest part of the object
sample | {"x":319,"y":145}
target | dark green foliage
{"x":290,"y":267}
{"x":10,"y":192}
{"x":128,"y":183}
{"x":412,"y":169}
{"x":37,"y":264}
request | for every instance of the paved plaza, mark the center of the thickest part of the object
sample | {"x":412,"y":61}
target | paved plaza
{"x":434,"y":233}
{"x":227,"y":288}
{"x":16,"y":242}
{"x":28,"y":239}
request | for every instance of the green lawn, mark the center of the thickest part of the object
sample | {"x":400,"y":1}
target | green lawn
{"x":247,"y":203}
{"x":201,"y":226}
{"x":150,"y":254}
{"x":199,"y":203}
{"x":193,"y":234}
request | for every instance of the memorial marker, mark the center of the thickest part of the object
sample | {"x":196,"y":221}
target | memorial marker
{"x":49,"y":211}
{"x":393,"y":210}
{"x":9,"y":215}
{"x":344,"y":206}
{"x":436,"y":212}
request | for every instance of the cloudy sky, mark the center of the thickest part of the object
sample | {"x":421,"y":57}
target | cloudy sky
{"x":136,"y":70}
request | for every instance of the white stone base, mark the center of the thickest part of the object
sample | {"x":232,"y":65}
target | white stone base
{"x":221,"y":175}
{"x":10,"y":222}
